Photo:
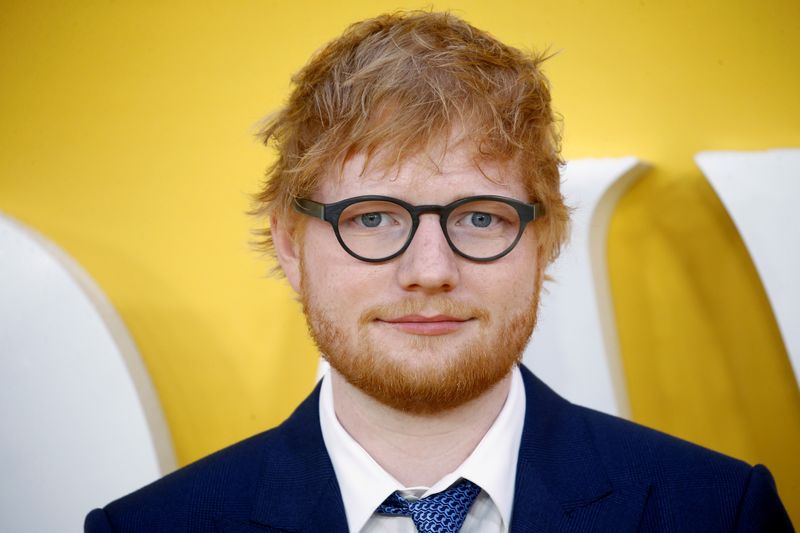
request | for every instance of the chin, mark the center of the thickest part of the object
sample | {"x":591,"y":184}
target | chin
{"x":424,"y":381}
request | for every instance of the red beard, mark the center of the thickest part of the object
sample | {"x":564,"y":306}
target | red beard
{"x":430,"y":376}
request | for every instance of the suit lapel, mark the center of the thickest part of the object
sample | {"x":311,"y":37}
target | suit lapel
{"x":561,"y":482}
{"x":298,"y":490}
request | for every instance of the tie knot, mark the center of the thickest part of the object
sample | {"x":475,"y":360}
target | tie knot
{"x":441,"y":512}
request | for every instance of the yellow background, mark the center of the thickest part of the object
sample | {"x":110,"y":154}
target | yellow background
{"x":126,"y":134}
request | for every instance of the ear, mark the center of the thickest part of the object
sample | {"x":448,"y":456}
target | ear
{"x":287,"y":249}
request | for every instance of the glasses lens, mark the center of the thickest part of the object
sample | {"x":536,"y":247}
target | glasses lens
{"x":374,"y":229}
{"x":483,"y":228}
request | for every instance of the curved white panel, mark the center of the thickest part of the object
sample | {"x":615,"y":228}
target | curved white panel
{"x":81,"y":421}
{"x":760,"y":191}
{"x":574,"y":348}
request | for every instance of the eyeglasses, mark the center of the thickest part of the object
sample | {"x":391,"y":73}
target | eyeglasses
{"x":379,"y":228}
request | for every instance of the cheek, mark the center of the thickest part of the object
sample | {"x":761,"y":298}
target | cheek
{"x":511,"y":287}
{"x":521,"y":288}
{"x":321,"y":256}
{"x":338,"y":283}
{"x":527,"y":264}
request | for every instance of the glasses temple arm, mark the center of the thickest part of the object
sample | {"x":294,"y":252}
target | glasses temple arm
{"x":309,"y":207}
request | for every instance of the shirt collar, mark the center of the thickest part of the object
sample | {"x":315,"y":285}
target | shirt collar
{"x":364,"y":484}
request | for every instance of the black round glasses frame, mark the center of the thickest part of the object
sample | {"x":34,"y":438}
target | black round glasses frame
{"x":331,"y":213}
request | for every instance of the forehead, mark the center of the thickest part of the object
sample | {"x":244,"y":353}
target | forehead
{"x":424,"y":178}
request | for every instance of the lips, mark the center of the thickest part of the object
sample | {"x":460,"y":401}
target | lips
{"x":427,"y":325}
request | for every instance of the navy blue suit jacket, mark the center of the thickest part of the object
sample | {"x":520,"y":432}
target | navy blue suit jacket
{"x":578,"y":471}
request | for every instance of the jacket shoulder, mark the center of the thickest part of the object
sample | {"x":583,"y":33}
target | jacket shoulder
{"x":587,"y":460}
{"x":690,"y":486}
{"x":232,"y":486}
{"x":223,"y":483}
{"x":628,"y":445}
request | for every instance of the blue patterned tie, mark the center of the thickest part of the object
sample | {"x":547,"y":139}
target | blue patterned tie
{"x":443,"y":512}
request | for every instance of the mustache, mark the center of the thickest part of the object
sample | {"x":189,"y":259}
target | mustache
{"x":435,"y":305}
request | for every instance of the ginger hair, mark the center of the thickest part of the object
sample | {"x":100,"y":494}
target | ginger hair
{"x":399,"y":85}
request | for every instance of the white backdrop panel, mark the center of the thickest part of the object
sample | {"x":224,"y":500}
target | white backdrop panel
{"x":81,"y":421}
{"x":761,"y":191}
{"x":574,"y":348}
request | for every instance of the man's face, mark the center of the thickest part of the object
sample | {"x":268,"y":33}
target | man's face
{"x":428,"y":330}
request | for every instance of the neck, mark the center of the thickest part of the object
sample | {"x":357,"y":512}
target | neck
{"x":417,"y":450}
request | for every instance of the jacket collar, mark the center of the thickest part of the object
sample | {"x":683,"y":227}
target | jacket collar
{"x":298,"y":489}
{"x":560,"y":475}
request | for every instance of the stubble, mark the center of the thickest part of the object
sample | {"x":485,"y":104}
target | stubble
{"x":422,"y":375}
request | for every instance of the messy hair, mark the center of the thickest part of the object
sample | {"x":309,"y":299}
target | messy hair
{"x":399,"y":85}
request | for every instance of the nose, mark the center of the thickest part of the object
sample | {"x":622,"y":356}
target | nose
{"x":428,"y":264}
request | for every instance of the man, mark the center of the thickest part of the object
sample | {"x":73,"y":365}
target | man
{"x":414,"y":207}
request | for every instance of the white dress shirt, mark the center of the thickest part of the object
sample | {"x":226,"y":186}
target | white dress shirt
{"x":364,"y":484}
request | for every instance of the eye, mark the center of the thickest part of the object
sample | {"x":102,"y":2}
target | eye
{"x":478,"y":219}
{"x":369,"y":217}
{"x":484,"y":217}
{"x":373,"y":220}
